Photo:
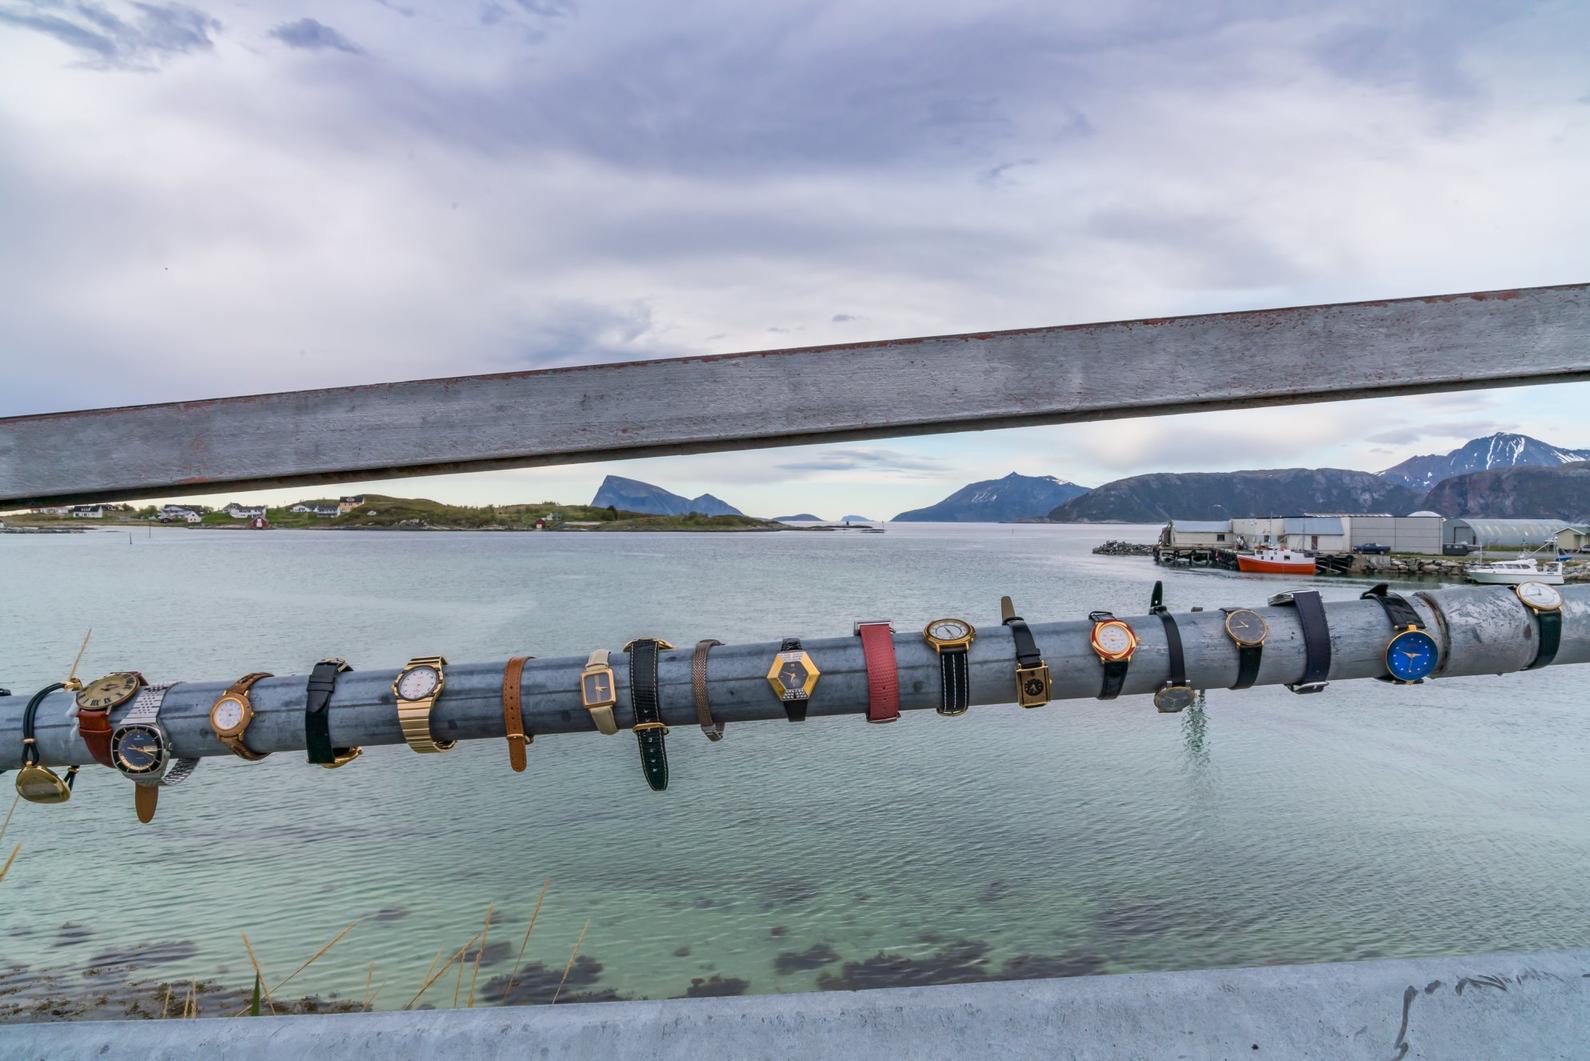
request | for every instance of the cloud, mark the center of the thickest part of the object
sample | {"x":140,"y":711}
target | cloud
{"x":315,"y":36}
{"x":866,"y":460}
{"x":143,"y":36}
{"x":1453,"y":429}
{"x":842,"y":318}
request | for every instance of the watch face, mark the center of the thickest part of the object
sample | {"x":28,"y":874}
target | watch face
{"x":102,"y":694}
{"x":1113,"y":638}
{"x":1173,"y":698}
{"x":227,"y":715}
{"x":1247,"y":627}
{"x":793,"y":675}
{"x":597,"y":688}
{"x":949,"y":630}
{"x":138,"y":749}
{"x":1412,"y":655}
{"x":418,"y":683}
{"x":1539,"y":595}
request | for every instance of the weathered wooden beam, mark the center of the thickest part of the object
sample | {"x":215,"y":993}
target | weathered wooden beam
{"x":790,"y":397}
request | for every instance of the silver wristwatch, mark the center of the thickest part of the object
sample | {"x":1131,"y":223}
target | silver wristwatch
{"x":140,"y":747}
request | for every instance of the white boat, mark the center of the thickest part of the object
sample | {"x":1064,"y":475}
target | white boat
{"x":1513,"y":572}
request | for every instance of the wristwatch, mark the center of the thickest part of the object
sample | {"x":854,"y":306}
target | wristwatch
{"x":417,"y":687}
{"x":513,"y":713}
{"x":1175,"y":695}
{"x":1411,"y":654}
{"x":1545,"y":604}
{"x":36,"y":782}
{"x":599,"y":692}
{"x":1033,"y":684}
{"x":1114,"y":643}
{"x":1316,"y":638}
{"x":645,"y":701}
{"x":231,"y":714}
{"x":793,"y":676}
{"x":699,"y":691}
{"x":92,"y":707}
{"x":141,"y":750}
{"x":1247,"y":630}
{"x":952,"y":640}
{"x":317,"y":724}
{"x":883,"y":672}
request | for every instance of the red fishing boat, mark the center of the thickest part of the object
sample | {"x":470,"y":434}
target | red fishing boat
{"x":1275,"y":562}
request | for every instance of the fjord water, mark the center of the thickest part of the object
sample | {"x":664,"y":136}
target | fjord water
{"x":1084,"y":837}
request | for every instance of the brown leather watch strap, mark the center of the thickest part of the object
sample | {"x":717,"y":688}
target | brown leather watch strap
{"x":95,"y":728}
{"x":239,"y":689}
{"x":698,"y":686}
{"x":512,"y":713}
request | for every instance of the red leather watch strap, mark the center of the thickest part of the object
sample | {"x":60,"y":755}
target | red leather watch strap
{"x":95,"y":728}
{"x":883,"y":673}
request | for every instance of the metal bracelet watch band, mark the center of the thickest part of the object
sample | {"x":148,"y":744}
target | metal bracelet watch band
{"x":883,"y":671}
{"x":1316,"y":639}
{"x":414,"y":716}
{"x":513,"y":712}
{"x":145,"y":711}
{"x":317,"y":721}
{"x":699,"y":691}
{"x":645,"y":701}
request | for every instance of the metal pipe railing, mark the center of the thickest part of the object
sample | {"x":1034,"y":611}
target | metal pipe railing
{"x":1481,"y":630}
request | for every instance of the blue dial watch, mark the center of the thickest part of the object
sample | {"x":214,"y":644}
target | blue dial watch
{"x":1411,"y":654}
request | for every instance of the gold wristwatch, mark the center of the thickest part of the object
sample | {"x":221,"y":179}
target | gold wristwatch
{"x":599,"y":692}
{"x":417,"y":688}
{"x":231,"y":713}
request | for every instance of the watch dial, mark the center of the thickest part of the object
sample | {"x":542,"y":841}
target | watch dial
{"x":227,"y":714}
{"x":102,"y":694}
{"x":138,"y":749}
{"x":792,"y":674}
{"x":1246,"y":627}
{"x":1032,"y":686}
{"x":1173,"y":698}
{"x":597,"y":688}
{"x":949,"y":630}
{"x":418,"y":683}
{"x":1540,"y":595}
{"x":1113,"y":638}
{"x":1412,"y":655}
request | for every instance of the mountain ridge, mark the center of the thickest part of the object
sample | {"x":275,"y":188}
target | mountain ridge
{"x":1159,"y":496}
{"x":1013,"y":497}
{"x":635,"y":496}
{"x":1503,"y":449}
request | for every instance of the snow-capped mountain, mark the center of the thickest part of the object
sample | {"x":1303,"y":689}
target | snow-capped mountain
{"x":997,"y":500}
{"x":1501,"y":450}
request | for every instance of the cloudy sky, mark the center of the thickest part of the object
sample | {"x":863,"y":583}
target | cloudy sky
{"x":233,"y":198}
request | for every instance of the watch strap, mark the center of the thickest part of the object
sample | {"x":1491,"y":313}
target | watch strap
{"x":30,"y":744}
{"x":146,"y":705}
{"x":1248,"y":659}
{"x":234,"y":743}
{"x":700,"y":692}
{"x":643,"y":698}
{"x":317,"y":723}
{"x":95,"y":729}
{"x":513,"y":712}
{"x":1549,"y":624}
{"x":794,"y":706}
{"x":1114,"y":678}
{"x":954,"y":697}
{"x":1398,"y":610}
{"x":602,"y":716}
{"x":1316,"y":642}
{"x":883,"y":671}
{"x":1178,"y":658}
{"x":414,"y":716}
{"x":1027,"y":654}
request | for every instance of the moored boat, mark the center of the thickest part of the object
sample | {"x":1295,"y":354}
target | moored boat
{"x":1514,"y":572}
{"x":1275,"y":562}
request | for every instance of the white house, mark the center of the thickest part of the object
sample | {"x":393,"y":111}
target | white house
{"x":1198,"y":534}
{"x":324,"y":511}
{"x":348,"y":504}
{"x":88,"y":512}
{"x":237,"y":511}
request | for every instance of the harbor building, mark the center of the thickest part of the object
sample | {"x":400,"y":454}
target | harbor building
{"x":1478,"y":533}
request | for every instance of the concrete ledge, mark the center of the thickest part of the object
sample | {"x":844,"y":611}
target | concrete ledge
{"x":1507,"y":1005}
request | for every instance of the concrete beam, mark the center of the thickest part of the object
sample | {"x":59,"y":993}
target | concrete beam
{"x":1508,"y":1005}
{"x":789,"y":397}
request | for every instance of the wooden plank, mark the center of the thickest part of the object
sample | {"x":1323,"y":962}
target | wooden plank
{"x":790,"y":397}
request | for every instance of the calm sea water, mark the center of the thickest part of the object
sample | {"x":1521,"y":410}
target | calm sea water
{"x":1086,"y":837}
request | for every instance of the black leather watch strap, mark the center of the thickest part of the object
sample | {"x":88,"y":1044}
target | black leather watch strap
{"x":954,"y":694}
{"x":317,"y":723}
{"x":1398,"y":610}
{"x":1248,"y":659}
{"x":1178,"y":659}
{"x":1027,"y":654}
{"x":1550,"y":626}
{"x":1316,"y":642}
{"x":794,"y":709}
{"x":643,"y":698}
{"x":1114,"y":678}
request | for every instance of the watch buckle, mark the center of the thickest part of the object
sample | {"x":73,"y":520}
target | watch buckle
{"x":661,"y":644}
{"x":1303,"y":688}
{"x":645,"y":727}
{"x":343,"y":758}
{"x":855,"y":627}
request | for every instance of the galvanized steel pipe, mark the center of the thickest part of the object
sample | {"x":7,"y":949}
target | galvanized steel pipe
{"x":1481,"y":630}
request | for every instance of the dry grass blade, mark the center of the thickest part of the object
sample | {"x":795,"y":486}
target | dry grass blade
{"x":513,"y":976}
{"x":7,"y":823}
{"x":458,"y":985}
{"x":485,"y":934}
{"x":439,"y":973}
{"x":572,"y":955}
{"x":311,"y":960}
{"x":192,"y":1007}
{"x":7,"y":867}
{"x":258,"y":972}
{"x":434,"y":960}
{"x":368,"y":976}
{"x":165,"y":1007}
